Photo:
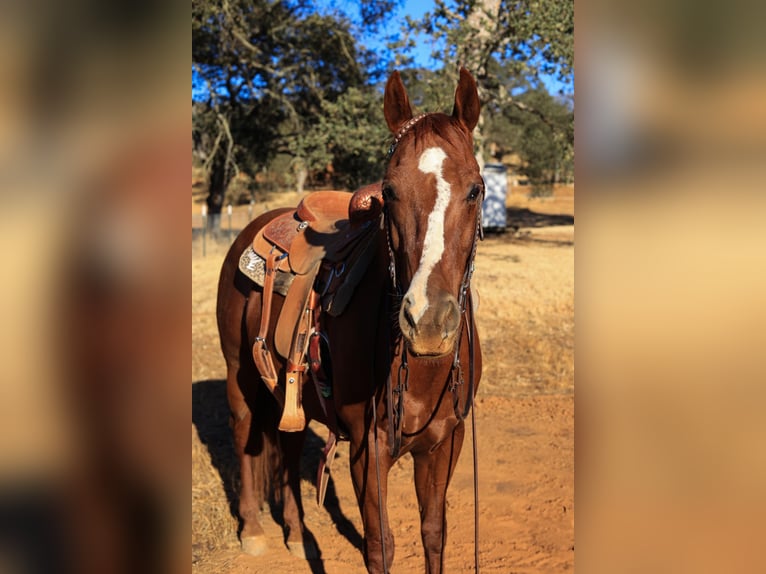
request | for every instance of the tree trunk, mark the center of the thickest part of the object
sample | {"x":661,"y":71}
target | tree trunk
{"x":481,"y":24}
{"x":301,"y":174}
{"x":478,"y":137}
{"x":218,"y":182}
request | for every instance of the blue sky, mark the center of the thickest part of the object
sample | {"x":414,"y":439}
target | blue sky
{"x":424,"y":46}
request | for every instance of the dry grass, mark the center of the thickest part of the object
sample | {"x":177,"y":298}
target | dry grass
{"x":526,"y":316}
{"x":526,"y":322}
{"x":526,"y":284}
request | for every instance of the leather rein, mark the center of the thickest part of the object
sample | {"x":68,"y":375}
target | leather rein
{"x":395,"y":393}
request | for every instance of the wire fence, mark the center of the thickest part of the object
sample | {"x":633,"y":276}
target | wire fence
{"x":207,"y":235}
{"x":211,"y":237}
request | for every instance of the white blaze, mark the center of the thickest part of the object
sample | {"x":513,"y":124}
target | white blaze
{"x":431,"y":161}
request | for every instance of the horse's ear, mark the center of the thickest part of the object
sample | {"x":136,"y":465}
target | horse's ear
{"x":396,"y":104}
{"x":467,"y":106}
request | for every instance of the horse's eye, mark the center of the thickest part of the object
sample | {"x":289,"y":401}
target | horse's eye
{"x":475,"y":192}
{"x":388,"y":192}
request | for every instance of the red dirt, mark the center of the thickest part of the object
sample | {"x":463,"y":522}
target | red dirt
{"x":525,"y":420}
{"x":526,"y":502}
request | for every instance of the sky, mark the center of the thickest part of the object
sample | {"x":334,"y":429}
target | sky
{"x":423,"y":48}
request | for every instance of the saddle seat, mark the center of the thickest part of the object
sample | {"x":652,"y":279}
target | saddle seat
{"x":325,"y":225}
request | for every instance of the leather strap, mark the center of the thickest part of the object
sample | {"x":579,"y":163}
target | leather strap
{"x":457,"y":372}
{"x":293,"y":417}
{"x":394,"y":428}
{"x":325,"y":462}
{"x":395,"y":402}
{"x":318,"y":373}
{"x":268,"y":292}
{"x":291,"y":313}
{"x":261,"y":353}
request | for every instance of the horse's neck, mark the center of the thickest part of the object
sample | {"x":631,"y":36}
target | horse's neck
{"x":427,"y":376}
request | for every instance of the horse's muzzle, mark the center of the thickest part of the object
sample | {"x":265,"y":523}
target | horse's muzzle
{"x":433,"y":333}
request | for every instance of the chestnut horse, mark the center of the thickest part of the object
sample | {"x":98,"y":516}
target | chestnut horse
{"x":404,"y":355}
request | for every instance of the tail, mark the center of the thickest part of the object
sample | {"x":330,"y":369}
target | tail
{"x":267,"y":471}
{"x":263,"y":438}
{"x":263,"y":444}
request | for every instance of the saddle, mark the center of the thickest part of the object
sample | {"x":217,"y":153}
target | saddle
{"x":314,"y":256}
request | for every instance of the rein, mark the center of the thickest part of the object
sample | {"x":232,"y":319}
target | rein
{"x":395,"y":394}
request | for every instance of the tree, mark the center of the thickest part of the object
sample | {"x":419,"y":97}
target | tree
{"x":531,"y":35}
{"x":268,"y":70}
{"x":284,"y":88}
{"x":544,"y":142}
{"x":353,"y":133}
{"x":521,"y":37}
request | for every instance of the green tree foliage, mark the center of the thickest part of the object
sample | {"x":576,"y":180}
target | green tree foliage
{"x":526,"y":36}
{"x":430,"y":90}
{"x":507,"y":44}
{"x":535,"y":126}
{"x":353,"y":132}
{"x":269,"y":68}
{"x":288,"y":91}
{"x":543,"y":140}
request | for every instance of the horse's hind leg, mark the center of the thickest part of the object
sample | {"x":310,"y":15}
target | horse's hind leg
{"x":252,"y":536}
{"x":433,"y":471}
{"x":300,"y":542}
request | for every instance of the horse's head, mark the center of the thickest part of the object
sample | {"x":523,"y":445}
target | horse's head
{"x":432,"y":192}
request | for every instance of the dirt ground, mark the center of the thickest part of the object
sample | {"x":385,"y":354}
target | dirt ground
{"x":524,"y":413}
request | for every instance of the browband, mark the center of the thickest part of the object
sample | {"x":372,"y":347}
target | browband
{"x":403,"y":130}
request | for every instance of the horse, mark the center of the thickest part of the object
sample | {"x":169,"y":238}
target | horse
{"x":404,"y":355}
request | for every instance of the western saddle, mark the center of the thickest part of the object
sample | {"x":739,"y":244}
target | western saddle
{"x":314,"y":256}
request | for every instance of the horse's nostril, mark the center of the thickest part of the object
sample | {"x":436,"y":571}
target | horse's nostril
{"x":407,"y":314}
{"x":450,"y":318}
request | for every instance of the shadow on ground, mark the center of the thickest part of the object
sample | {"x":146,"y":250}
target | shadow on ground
{"x":521,"y":221}
{"x":210,"y":416}
{"x":520,"y":217}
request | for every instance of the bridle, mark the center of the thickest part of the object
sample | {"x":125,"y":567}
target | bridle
{"x":455,"y":381}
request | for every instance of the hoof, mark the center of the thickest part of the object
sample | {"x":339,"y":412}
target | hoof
{"x":254,"y":545}
{"x":307,"y":550}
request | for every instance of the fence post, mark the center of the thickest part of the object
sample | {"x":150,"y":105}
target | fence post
{"x":204,"y":229}
{"x":228,"y":211}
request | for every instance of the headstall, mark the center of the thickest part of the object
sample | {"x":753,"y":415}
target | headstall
{"x":395,"y":394}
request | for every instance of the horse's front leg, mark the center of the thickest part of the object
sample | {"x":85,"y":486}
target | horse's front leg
{"x":433,"y":471}
{"x":364,"y":475}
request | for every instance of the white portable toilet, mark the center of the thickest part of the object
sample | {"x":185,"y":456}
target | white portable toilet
{"x":493,"y":213}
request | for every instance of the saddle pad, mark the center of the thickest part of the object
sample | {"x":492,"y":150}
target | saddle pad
{"x":253,"y":266}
